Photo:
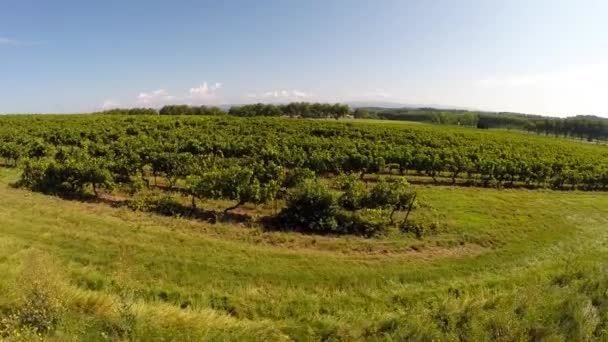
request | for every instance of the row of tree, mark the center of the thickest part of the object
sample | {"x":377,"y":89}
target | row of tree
{"x":487,"y":173}
{"x":295,"y":109}
{"x":311,"y":205}
{"x":581,"y":127}
{"x":451,"y":165}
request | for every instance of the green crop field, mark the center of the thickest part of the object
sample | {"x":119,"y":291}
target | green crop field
{"x":507,"y":237}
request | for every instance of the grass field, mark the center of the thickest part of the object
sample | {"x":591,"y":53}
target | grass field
{"x":510,"y":265}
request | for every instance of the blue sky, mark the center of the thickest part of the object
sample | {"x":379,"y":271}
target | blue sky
{"x":546,"y":57}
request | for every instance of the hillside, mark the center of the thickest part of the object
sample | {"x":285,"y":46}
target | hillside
{"x":512,"y":264}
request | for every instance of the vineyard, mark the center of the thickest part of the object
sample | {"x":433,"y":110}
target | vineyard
{"x":125,"y":148}
{"x":271,"y":160}
{"x":402,"y":231}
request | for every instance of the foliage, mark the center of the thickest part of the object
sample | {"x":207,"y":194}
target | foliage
{"x":311,"y":207}
{"x":235,"y":183}
{"x":130,"y":111}
{"x":355,"y":195}
{"x":258,"y":159}
{"x":11,"y":152}
{"x":172,"y":165}
{"x":294,"y":109}
{"x":297,"y":176}
{"x":395,"y":196}
{"x":70,"y":176}
{"x":190,"y":110}
{"x":176,"y":147}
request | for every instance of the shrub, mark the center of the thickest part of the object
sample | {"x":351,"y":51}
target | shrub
{"x":68,"y":177}
{"x":311,"y":207}
{"x":354,"y":196}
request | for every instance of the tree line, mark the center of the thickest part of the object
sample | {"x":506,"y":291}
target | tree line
{"x":294,"y":109}
{"x":587,"y":127}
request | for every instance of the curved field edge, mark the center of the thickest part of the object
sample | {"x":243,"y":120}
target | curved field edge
{"x":513,"y":265}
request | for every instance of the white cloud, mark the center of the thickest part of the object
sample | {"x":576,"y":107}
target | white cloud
{"x":204,"y":91}
{"x":14,"y":42}
{"x":109,"y":104}
{"x":155,"y":97}
{"x":280,"y":95}
{"x":202,"y":94}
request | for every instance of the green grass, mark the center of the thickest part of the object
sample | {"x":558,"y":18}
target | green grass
{"x":511,"y":265}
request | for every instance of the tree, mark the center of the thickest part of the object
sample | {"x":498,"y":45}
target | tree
{"x":131,"y":111}
{"x":361,"y":113}
{"x":340,"y":110}
{"x":176,"y":110}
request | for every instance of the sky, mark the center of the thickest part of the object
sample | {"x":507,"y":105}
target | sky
{"x":545,"y":57}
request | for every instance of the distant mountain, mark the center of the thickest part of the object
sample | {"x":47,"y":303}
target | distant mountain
{"x":368,"y":104}
{"x":392,"y":105}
